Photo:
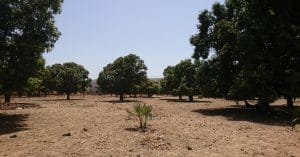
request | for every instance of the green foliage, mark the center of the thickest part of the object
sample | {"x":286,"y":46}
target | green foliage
{"x":181,"y":79}
{"x":67,"y":78}
{"x":207,"y":81}
{"x":122,"y":76}
{"x":86,"y":85}
{"x":142,"y":112}
{"x":50,"y":78}
{"x":34,"y":86}
{"x":256,"y":50}
{"x":168,"y":83}
{"x":26,"y":31}
{"x":150,"y":87}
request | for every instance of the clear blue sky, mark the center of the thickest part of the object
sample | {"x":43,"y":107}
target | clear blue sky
{"x":96,"y":32}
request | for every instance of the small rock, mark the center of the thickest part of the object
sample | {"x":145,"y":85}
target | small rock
{"x":189,"y":148}
{"x":85,"y":129}
{"x":13,"y":136}
{"x":67,"y":134}
{"x":131,"y":150}
{"x":138,"y":156}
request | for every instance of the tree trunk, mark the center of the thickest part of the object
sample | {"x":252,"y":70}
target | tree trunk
{"x":263,"y":105}
{"x":150,"y":95}
{"x":19,"y":94}
{"x":290,"y":102}
{"x":191,"y":98}
{"x":247,"y":104}
{"x":145,"y":123}
{"x":180,"y":97}
{"x":121,"y":97}
{"x":7,"y":97}
{"x":68,"y":96}
{"x":141,"y":123}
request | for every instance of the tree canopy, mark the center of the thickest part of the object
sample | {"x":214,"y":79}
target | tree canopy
{"x":121,"y":76}
{"x":150,"y":87}
{"x":26,"y":31}
{"x":256,"y":47}
{"x":68,"y":78}
{"x":181,"y":79}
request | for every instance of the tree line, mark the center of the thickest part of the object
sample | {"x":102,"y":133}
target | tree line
{"x":243,"y":50}
{"x":27,"y":30}
{"x":255,"y":47}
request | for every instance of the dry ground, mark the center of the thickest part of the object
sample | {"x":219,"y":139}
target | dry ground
{"x":99,"y":127}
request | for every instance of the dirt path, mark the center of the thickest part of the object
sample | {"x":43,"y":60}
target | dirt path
{"x":99,"y":127}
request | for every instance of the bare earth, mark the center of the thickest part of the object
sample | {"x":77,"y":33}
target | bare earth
{"x":99,"y":126}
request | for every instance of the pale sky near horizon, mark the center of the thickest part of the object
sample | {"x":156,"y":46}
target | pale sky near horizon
{"x":96,"y":32}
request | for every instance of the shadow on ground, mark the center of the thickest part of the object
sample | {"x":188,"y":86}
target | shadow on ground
{"x":137,"y":129}
{"x":279,"y":115}
{"x":13,"y":106}
{"x":133,"y":129}
{"x":12,"y":123}
{"x":118,"y":101}
{"x":185,"y":100}
{"x":49,"y":100}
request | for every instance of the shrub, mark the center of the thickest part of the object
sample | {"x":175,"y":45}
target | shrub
{"x":142,"y":112}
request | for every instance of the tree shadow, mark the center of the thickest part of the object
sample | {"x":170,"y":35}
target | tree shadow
{"x":185,"y":100}
{"x":138,"y":129}
{"x":13,"y":106}
{"x":278,"y":115}
{"x":53,"y":100}
{"x":147,"y":97}
{"x":12,"y":123}
{"x":118,"y":101}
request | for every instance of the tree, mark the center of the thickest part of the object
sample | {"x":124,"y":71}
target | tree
{"x":182,"y":79}
{"x":121,"y":76}
{"x":69,"y":78}
{"x":255,"y":46}
{"x":26,"y":31}
{"x":150,"y":87}
{"x":168,"y":82}
{"x":34,"y":86}
{"x":49,"y":78}
{"x":85,"y":86}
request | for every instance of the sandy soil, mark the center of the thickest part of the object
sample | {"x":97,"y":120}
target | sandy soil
{"x":99,"y":126}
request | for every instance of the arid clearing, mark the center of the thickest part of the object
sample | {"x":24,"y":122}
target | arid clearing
{"x":99,"y":127}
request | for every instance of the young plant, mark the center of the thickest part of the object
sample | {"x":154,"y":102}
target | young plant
{"x":142,"y":112}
